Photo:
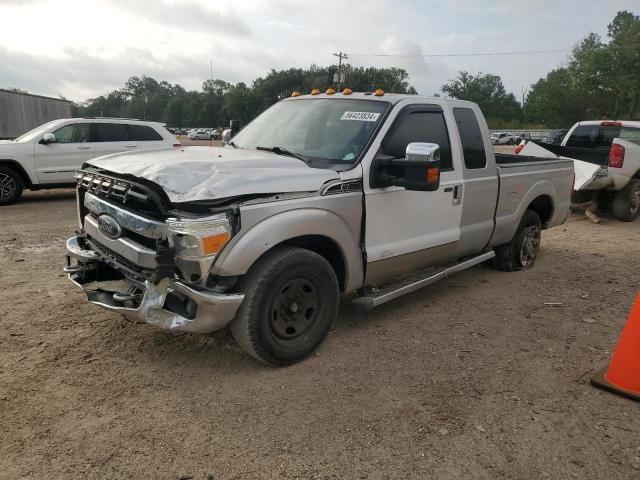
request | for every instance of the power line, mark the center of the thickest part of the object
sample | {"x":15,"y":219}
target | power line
{"x":473,"y":54}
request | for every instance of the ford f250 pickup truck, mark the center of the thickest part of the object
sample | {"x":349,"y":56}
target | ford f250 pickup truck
{"x":367,"y":195}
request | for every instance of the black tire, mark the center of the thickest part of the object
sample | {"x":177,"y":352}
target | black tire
{"x":291,"y":301}
{"x":11,"y":186}
{"x":521,"y":252}
{"x":626,"y":202}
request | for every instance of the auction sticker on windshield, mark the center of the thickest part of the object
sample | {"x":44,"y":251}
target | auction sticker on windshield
{"x":360,"y":116}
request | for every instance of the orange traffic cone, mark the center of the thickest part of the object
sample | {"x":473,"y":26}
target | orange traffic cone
{"x":623,"y":374}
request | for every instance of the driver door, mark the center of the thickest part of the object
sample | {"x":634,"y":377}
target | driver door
{"x":408,"y":230}
{"x":57,"y":162}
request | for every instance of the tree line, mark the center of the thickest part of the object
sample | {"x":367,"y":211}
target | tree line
{"x":220,"y":101}
{"x":600,"y":80}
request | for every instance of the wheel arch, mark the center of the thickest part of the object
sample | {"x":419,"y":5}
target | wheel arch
{"x":19,"y":169}
{"x":320,"y":231}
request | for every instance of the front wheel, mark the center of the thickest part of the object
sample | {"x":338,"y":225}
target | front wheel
{"x":521,"y":252}
{"x":10,"y":186}
{"x":291,"y":301}
{"x":626,"y":202}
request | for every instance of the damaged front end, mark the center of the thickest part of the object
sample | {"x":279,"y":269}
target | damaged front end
{"x":133,"y":257}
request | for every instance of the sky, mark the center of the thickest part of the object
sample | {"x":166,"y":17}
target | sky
{"x":84,"y":48}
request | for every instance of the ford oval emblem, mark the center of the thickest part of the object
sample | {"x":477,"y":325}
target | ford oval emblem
{"x":109,"y":226}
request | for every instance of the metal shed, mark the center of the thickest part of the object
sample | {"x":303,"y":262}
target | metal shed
{"x":20,"y":112}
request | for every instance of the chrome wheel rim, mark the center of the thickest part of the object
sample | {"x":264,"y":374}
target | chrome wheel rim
{"x":8,"y":186}
{"x":530,"y":245}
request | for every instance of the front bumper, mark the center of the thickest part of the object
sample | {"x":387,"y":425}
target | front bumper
{"x":147,"y":301}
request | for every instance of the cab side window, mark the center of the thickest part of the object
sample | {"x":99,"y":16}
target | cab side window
{"x":471,"y":138}
{"x":74,"y":133}
{"x":419,"y":123}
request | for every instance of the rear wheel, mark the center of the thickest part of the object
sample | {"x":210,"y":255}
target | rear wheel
{"x":626,"y":202}
{"x":10,"y":186}
{"x":521,"y":252}
{"x":291,"y":301}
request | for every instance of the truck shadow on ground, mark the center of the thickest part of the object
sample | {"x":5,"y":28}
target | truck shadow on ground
{"x":47,"y":196}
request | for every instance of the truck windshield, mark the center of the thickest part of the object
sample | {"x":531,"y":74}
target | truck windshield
{"x":330,"y":133}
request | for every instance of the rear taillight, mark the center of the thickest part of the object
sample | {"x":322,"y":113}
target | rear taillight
{"x":610,"y":123}
{"x":519,"y":149}
{"x":616,"y":156}
{"x":177,"y":145}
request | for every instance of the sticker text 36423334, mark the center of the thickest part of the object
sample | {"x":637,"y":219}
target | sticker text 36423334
{"x":360,"y":116}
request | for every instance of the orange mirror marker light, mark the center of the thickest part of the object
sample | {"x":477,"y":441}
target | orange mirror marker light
{"x":433,"y":175}
{"x":347,"y":91}
{"x":295,"y":93}
{"x":330,"y":91}
{"x":315,"y":91}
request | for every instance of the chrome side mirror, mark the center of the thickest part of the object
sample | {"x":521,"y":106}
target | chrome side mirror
{"x":48,"y":138}
{"x":423,"y":152}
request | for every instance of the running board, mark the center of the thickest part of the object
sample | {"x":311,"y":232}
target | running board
{"x":393,"y":291}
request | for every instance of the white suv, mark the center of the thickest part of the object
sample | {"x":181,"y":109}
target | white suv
{"x":49,"y":155}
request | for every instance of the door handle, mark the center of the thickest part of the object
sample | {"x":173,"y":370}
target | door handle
{"x":131,"y":146}
{"x":457,"y":194}
{"x":84,"y":148}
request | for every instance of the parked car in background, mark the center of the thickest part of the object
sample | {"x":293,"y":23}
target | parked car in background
{"x":200,"y":135}
{"x":503,"y":138}
{"x":320,"y":195}
{"x":49,"y":155}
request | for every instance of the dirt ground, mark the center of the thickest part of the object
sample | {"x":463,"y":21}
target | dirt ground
{"x":474,"y":377}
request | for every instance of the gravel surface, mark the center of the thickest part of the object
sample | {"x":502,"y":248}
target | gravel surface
{"x":484,"y":375}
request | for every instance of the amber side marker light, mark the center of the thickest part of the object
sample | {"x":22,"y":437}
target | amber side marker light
{"x":295,"y":93}
{"x":347,"y":91}
{"x":315,"y":91}
{"x":379,"y":92}
{"x":330,"y":91}
{"x":214,"y":243}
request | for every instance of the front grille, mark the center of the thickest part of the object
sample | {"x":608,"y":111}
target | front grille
{"x":116,"y":261}
{"x":133,"y":195}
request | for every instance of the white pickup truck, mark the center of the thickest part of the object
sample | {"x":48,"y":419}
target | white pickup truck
{"x":367,"y":195}
{"x":612,"y":148}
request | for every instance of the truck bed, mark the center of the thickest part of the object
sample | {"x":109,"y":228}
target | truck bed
{"x":507,"y":158}
{"x":596,"y":156}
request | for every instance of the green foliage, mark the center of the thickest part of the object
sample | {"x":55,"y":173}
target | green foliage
{"x":601,"y":80}
{"x":488,"y":92}
{"x":220,"y":101}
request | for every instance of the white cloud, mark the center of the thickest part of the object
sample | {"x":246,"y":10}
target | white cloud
{"x":83,"y":48}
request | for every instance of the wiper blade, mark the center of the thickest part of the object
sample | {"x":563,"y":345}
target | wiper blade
{"x":284,"y":151}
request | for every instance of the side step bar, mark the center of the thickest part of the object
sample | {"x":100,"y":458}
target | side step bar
{"x":393,"y":291}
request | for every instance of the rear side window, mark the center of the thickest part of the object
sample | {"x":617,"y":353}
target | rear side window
{"x":143,"y":133}
{"x":471,"y":138}
{"x":593,"y":136}
{"x":419,"y":125}
{"x":110,"y":132}
{"x":630,"y":135}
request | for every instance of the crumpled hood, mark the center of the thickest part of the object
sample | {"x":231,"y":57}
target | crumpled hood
{"x":206,"y":173}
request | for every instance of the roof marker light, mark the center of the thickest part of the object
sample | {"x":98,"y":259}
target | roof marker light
{"x":347,"y":91}
{"x":330,"y":91}
{"x":315,"y":91}
{"x":379,"y":92}
{"x":295,"y":93}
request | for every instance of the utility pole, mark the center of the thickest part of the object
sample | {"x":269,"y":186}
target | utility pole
{"x":211,"y":70}
{"x":340,"y":57}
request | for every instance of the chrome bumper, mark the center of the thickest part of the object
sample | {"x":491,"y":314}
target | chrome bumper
{"x":213,"y":310}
